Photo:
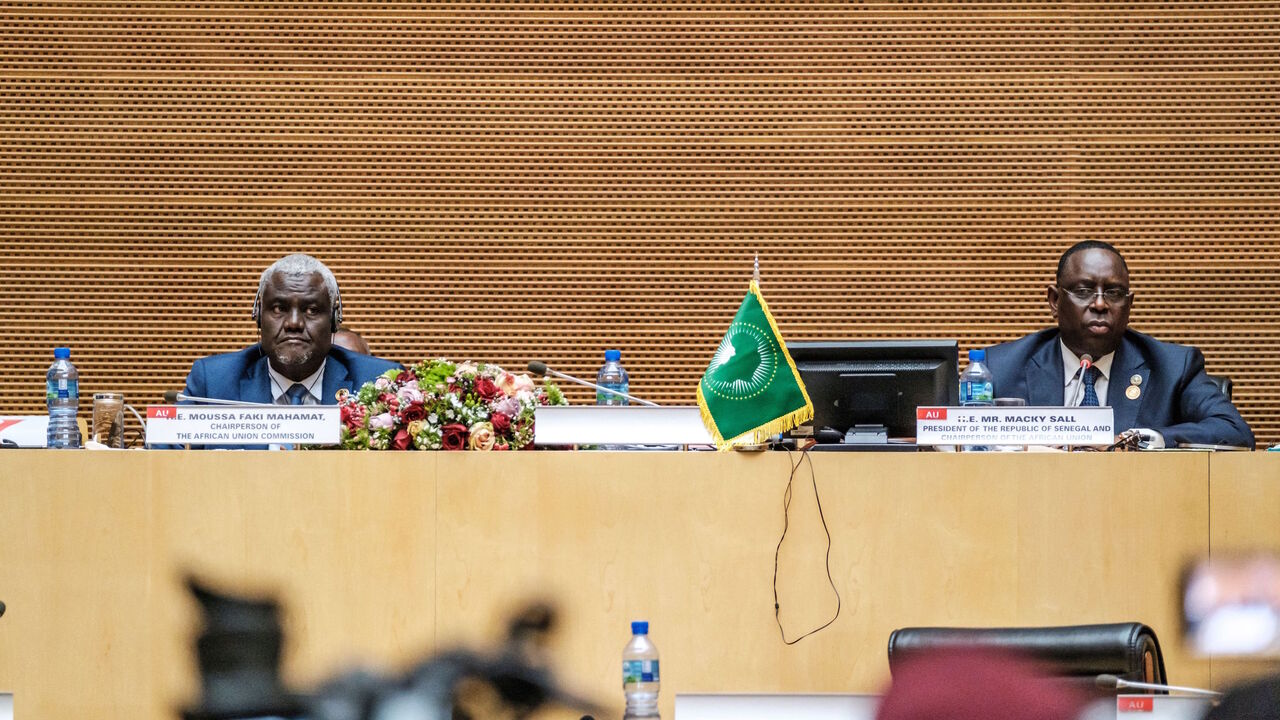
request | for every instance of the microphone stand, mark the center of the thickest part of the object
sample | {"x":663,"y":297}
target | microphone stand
{"x":1112,"y":682}
{"x":174,"y":396}
{"x":541,"y":368}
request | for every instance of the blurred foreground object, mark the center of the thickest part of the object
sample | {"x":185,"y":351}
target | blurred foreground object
{"x":981,"y":684}
{"x":1258,"y":700}
{"x":239,"y":660}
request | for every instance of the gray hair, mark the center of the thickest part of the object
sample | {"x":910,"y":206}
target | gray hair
{"x":304,"y":265}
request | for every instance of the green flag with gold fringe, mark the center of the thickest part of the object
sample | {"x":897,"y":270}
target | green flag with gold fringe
{"x":751,"y":390}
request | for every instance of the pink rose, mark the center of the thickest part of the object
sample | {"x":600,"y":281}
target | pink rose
{"x":510,"y":383}
{"x":482,"y":437}
{"x":382,"y":422}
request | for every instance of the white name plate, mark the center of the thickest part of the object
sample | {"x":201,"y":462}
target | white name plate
{"x":989,"y":425}
{"x":26,"y":431}
{"x":619,"y":425}
{"x":243,"y":424}
{"x":1162,"y":707}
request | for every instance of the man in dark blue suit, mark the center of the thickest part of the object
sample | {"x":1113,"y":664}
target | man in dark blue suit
{"x":297,"y":310}
{"x":1092,"y":358}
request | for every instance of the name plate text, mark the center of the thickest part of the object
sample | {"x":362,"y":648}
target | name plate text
{"x":243,"y":425}
{"x":1015,"y":426}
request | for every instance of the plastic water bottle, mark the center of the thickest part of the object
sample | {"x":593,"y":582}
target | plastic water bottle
{"x":976,"y":386}
{"x":640,"y":673}
{"x":62,"y":395}
{"x":612,"y":376}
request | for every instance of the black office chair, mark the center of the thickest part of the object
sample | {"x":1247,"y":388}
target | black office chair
{"x":1129,"y":651}
{"x":1223,"y":382}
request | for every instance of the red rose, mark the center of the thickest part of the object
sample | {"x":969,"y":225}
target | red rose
{"x":401,"y":440}
{"x":386,"y":398}
{"x":501,"y":423}
{"x":501,"y":446}
{"x":453,"y":436}
{"x":353,"y":417}
{"x":405,"y":376}
{"x":486,"y":388}
{"x":413,"y":411}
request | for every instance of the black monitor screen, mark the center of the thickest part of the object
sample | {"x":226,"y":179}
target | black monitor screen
{"x":877,"y":382}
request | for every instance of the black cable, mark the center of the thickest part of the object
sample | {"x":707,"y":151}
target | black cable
{"x":786,"y":524}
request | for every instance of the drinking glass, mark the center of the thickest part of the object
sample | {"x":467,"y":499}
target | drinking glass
{"x":1010,"y":402}
{"x":108,"y":419}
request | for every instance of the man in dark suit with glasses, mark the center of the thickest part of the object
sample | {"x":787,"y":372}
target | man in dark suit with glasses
{"x":1158,"y":389}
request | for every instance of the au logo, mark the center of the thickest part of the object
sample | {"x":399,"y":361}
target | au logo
{"x":744,"y":364}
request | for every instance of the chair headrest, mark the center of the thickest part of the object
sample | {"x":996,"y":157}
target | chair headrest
{"x":1119,"y":649}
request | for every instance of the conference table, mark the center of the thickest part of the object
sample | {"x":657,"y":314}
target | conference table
{"x":381,"y":559}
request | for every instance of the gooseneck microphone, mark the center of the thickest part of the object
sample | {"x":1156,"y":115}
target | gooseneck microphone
{"x":173,"y":396}
{"x":1086,"y":362}
{"x":540,"y":368}
{"x":1113,"y":682}
{"x":1,"y":608}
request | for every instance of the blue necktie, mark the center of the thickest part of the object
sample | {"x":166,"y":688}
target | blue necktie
{"x":298,"y":391}
{"x":1090,"y":393}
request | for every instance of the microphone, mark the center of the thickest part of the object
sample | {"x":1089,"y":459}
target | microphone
{"x":1086,"y":362}
{"x":1112,"y":682}
{"x":540,"y":368}
{"x":1,"y":608}
{"x":173,"y":396}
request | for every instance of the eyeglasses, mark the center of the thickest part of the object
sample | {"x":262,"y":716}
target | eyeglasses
{"x":1086,"y":295}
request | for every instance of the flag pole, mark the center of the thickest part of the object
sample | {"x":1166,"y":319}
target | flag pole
{"x":755,"y":275}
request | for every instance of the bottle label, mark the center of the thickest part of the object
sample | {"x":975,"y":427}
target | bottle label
{"x":636,"y":671}
{"x":62,"y":389}
{"x":972,"y":393}
{"x":604,"y":398}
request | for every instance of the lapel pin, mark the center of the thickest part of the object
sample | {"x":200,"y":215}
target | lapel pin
{"x":1135,"y":380}
{"x":1133,"y":392}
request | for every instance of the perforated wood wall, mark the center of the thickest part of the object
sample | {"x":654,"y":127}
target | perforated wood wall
{"x":519,"y":180}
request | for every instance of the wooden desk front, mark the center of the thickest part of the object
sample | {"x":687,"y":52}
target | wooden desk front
{"x":381,"y":558}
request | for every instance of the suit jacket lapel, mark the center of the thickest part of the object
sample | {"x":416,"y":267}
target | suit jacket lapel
{"x":1128,"y":362}
{"x":1045,"y":377}
{"x":255,"y":385}
{"x":335,"y":378}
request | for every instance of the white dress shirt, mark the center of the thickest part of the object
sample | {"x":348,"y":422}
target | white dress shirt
{"x":314,"y":383}
{"x":1072,"y":392}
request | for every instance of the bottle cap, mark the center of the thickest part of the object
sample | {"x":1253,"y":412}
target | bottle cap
{"x":61,"y":353}
{"x":639,"y":627}
{"x":977,"y":356}
{"x":612,"y":355}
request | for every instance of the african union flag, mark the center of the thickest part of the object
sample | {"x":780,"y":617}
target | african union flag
{"x":751,"y":390}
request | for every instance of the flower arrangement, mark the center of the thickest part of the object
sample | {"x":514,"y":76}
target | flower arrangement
{"x":440,"y":405}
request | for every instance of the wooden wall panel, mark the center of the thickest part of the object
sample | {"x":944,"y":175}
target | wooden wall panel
{"x":520,"y":180}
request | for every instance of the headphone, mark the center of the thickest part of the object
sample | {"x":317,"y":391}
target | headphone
{"x":335,"y":316}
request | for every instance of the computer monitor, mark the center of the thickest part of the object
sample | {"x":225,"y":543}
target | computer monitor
{"x":876,"y":382}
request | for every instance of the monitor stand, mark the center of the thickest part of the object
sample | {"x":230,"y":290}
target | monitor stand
{"x":866,"y":438}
